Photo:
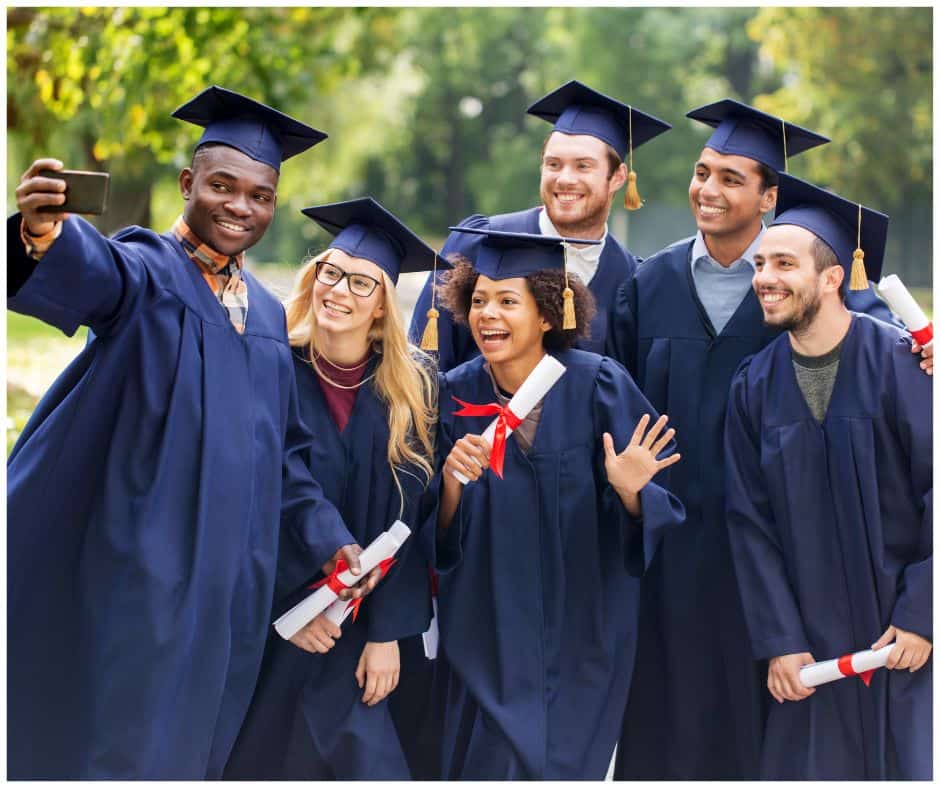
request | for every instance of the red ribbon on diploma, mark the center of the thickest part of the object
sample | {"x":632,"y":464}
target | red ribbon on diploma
{"x":846,"y":669}
{"x":385,"y":564}
{"x":924,"y":336}
{"x":505,"y":418}
{"x":332,"y":581}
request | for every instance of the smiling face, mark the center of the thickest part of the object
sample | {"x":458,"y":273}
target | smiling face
{"x":789,"y":287}
{"x":505,"y":321}
{"x":340,"y":311}
{"x":575,"y":187}
{"x":726,"y":198}
{"x":229,"y":197}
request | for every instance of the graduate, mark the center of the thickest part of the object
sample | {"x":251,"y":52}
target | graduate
{"x":319,"y":711}
{"x":585,"y":161}
{"x":681,"y":326}
{"x":829,"y":448}
{"x":538,"y":566}
{"x":146,"y":491}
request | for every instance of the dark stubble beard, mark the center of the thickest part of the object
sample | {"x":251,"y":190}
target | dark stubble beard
{"x":801,"y":320}
{"x":589,"y":223}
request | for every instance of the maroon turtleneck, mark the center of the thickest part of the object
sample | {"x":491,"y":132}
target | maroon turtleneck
{"x":340,"y":401}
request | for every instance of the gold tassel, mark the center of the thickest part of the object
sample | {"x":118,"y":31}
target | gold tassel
{"x":569,"y":321}
{"x":859,"y":279}
{"x":429,"y":337}
{"x":631,"y":199}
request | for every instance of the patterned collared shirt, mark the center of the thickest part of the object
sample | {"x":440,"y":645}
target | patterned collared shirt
{"x":222,"y":273}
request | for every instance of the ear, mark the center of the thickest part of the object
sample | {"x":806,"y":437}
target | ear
{"x":186,"y":182}
{"x":544,"y":325}
{"x":768,"y":200}
{"x":619,"y":178}
{"x":834,"y":277}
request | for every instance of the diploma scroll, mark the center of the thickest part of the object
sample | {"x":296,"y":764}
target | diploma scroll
{"x":861,"y":663}
{"x":384,"y":546}
{"x":533,"y":389}
{"x":902,"y":303}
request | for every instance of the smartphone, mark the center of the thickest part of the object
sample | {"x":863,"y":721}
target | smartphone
{"x":85,"y":192}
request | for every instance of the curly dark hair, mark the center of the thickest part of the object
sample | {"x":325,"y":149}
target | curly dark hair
{"x":456,"y":293}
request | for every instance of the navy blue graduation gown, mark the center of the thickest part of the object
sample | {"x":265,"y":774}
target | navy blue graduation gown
{"x":830,"y":526}
{"x":691,"y":718}
{"x":455,"y":342}
{"x":538,"y":582}
{"x":307,"y":719}
{"x":144,"y":497}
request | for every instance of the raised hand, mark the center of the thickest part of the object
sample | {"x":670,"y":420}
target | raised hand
{"x":632,"y":469}
{"x":35,"y":191}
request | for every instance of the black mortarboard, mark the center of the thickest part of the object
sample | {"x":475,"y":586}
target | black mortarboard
{"x":363,"y":228}
{"x":856,"y":234}
{"x":255,"y":129}
{"x":742,"y":130}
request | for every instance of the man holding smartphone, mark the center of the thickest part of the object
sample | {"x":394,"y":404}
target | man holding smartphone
{"x":144,"y":494}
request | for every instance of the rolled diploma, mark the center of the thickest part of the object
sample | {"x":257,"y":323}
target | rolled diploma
{"x":533,"y":388}
{"x":824,"y":672}
{"x":383,"y":546}
{"x":902,"y":303}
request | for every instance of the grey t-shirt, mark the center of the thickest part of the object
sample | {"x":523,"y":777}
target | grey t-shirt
{"x":816,"y":375}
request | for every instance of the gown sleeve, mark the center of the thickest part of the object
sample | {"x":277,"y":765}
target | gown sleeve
{"x":867,"y":302}
{"x":618,"y":406}
{"x":316,"y":524}
{"x":400,"y":606}
{"x":770,"y":606}
{"x":83,"y":279}
{"x":914,"y":418}
{"x":621,"y":342}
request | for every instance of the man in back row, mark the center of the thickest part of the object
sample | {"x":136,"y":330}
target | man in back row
{"x":681,"y":326}
{"x":582,"y":169}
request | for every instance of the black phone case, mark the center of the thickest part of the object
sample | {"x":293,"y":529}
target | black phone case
{"x":85,"y":192}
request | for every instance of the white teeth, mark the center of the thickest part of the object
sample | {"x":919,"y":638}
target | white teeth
{"x":234,"y":227}
{"x":337,"y":308}
{"x":493,"y":334}
{"x":568,"y":197}
{"x":710,"y":210}
{"x":772,"y":298}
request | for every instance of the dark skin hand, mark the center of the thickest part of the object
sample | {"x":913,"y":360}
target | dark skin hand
{"x":350,"y":553}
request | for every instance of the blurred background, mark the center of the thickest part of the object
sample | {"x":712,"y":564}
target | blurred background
{"x":425,"y":108}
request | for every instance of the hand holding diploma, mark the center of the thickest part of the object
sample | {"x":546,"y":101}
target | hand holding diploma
{"x":341,"y":578}
{"x":902,"y":303}
{"x":632,"y":469}
{"x":317,"y":637}
{"x":783,"y":677}
{"x":910,"y":651}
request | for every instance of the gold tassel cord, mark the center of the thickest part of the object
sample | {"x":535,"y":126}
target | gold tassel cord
{"x":631,"y":198}
{"x":859,"y":278}
{"x":569,"y":321}
{"x":429,"y":339}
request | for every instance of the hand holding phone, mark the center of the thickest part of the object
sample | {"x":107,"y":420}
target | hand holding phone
{"x":85,"y":192}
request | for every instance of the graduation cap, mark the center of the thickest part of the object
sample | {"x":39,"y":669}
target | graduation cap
{"x":255,"y":129}
{"x":742,"y":130}
{"x":505,"y":255}
{"x":575,"y":108}
{"x":853,"y":232}
{"x":363,"y":228}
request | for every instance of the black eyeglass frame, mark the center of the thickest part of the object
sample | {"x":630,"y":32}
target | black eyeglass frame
{"x":346,"y":275}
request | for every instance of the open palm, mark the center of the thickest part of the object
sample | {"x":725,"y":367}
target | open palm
{"x":632,"y":469}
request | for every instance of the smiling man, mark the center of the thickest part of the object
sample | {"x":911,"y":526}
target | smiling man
{"x":582,"y":169}
{"x":681,"y":326}
{"x":829,"y":447}
{"x":145,"y":493}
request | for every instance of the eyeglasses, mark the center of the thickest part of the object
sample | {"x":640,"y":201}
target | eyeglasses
{"x":359,"y":284}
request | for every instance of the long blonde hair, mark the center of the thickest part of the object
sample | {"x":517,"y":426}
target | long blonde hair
{"x":403,"y":377}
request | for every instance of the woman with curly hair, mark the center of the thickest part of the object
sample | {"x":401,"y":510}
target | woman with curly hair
{"x":539,"y":568}
{"x":319,"y":710}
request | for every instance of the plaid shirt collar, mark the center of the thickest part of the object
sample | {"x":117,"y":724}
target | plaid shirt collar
{"x":203,"y":255}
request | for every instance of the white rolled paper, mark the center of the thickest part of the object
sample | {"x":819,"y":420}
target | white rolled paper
{"x":533,"y":388}
{"x":861,"y":661}
{"x":902,"y":303}
{"x":385,"y":545}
